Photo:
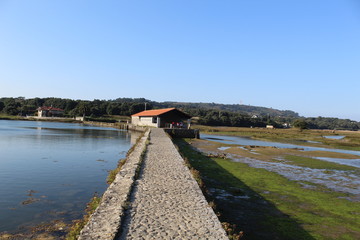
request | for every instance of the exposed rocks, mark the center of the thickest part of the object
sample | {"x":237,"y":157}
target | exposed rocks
{"x":217,"y":155}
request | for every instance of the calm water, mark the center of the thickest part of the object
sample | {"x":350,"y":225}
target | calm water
{"x":50,"y":170}
{"x":248,"y":141}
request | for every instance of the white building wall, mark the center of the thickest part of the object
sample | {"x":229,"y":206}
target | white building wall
{"x":143,"y":121}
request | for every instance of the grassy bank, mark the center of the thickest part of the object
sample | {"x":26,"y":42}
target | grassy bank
{"x":292,"y":135}
{"x":21,"y":118}
{"x":10,"y":117}
{"x":266,"y":205}
{"x":79,"y":224}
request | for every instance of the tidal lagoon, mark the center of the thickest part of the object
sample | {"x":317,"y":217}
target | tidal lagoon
{"x":49,"y":171}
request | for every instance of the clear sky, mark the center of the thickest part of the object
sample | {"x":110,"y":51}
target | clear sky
{"x":300,"y":55}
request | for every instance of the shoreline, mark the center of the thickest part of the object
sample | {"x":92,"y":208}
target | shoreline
{"x":17,"y":118}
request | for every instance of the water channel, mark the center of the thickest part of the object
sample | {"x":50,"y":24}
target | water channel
{"x":51,"y":170}
{"x":245,"y":141}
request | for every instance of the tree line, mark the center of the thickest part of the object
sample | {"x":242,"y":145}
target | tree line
{"x":204,"y":113}
{"x":96,"y":108}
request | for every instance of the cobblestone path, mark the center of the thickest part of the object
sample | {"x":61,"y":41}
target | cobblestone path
{"x":166,"y":202}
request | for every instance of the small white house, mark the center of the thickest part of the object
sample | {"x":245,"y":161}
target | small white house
{"x":161,"y":118}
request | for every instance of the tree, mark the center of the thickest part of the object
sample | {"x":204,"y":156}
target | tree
{"x":12,"y":109}
{"x":82,"y":108}
{"x":2,"y":105}
{"x":300,"y":123}
{"x":113,"y":109}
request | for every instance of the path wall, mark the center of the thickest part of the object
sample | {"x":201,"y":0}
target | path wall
{"x":106,"y":220}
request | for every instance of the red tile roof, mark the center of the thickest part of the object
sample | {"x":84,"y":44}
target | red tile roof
{"x":151,"y":113}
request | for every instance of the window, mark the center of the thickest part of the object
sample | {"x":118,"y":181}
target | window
{"x":154,"y":120}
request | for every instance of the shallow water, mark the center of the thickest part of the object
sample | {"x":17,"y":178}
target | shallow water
{"x":248,"y":141}
{"x":51,"y":170}
{"x":349,"y":162}
{"x":223,"y":148}
{"x":334,"y":137}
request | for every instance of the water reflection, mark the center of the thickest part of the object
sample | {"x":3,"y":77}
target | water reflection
{"x":50,"y":170}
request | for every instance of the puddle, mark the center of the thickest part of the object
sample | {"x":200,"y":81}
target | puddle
{"x":223,"y":194}
{"x":253,"y":152}
{"x":242,"y":197}
{"x":334,"y":137}
{"x":223,"y":148}
{"x":220,"y":139}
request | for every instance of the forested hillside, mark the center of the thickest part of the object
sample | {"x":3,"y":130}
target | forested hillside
{"x":213,"y":114}
{"x":251,"y":110}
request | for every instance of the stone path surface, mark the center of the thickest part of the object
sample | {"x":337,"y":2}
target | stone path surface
{"x":166,"y":202}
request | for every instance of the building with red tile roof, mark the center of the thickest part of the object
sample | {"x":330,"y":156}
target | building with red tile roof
{"x":161,"y":118}
{"x":50,"y":112}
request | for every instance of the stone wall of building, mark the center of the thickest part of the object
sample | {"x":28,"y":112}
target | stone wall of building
{"x":183,"y":132}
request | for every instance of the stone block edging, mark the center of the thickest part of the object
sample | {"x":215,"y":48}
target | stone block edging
{"x":104,"y":223}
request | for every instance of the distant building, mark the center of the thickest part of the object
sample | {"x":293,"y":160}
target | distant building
{"x":162,"y":118}
{"x":286,"y":125}
{"x":270,"y":126}
{"x":50,"y":112}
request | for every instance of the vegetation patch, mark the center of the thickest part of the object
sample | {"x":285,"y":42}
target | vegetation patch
{"x":112,"y":173}
{"x":46,"y":231}
{"x":11,"y":117}
{"x":78,"y":225}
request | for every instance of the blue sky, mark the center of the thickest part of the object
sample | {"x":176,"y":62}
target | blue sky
{"x":300,"y":55}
